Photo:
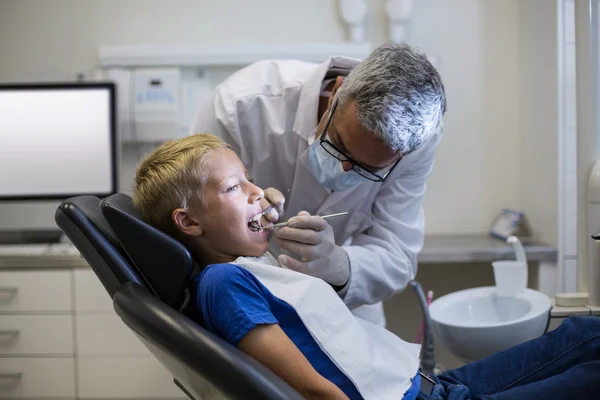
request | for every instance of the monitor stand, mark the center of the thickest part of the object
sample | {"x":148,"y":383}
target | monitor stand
{"x":31,"y":236}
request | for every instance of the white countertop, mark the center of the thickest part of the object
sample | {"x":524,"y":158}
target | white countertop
{"x":438,"y":249}
{"x":59,"y":255}
{"x":445,"y":249}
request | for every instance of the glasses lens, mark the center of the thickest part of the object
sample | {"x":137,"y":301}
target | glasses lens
{"x":329,"y":148}
{"x":366,"y":174}
{"x":333,"y":151}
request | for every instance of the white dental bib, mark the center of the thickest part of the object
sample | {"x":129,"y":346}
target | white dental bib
{"x":380,"y":364}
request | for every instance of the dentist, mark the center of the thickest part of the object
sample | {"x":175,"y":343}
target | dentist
{"x":340,"y":136}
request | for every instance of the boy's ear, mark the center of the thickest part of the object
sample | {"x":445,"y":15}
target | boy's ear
{"x":185,"y":223}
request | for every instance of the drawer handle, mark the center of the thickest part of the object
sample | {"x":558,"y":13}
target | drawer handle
{"x":10,"y":379}
{"x":9,"y":333}
{"x":16,"y":376}
{"x":8,"y":291}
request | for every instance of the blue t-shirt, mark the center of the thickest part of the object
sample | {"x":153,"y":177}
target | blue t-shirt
{"x":230,"y":301}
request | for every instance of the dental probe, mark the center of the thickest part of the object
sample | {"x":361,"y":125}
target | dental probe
{"x":267,"y":209}
{"x":322,"y":216}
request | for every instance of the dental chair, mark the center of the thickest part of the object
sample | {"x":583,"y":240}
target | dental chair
{"x":146,"y":273}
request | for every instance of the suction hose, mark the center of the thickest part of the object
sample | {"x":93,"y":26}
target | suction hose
{"x":427,"y":351}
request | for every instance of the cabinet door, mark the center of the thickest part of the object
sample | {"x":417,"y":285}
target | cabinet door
{"x":37,"y":378}
{"x":35,"y":291}
{"x":34,"y":335}
{"x":106,"y":335}
{"x":123,"y":377}
{"x":90,"y":295}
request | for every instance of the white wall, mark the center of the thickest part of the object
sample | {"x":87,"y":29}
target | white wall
{"x":477,"y":166}
{"x":42,"y":39}
{"x":538,"y":120}
{"x":476,"y":43}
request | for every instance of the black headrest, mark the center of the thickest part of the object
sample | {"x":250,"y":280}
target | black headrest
{"x":233,"y":372}
{"x":164,"y":262}
{"x":89,"y":206}
{"x":81,"y":220}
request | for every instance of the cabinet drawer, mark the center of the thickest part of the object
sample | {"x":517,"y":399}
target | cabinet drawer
{"x":37,"y":291}
{"x":37,"y":377}
{"x":114,"y":338}
{"x":116,"y":377}
{"x":36,"y":335}
{"x":90,"y":295}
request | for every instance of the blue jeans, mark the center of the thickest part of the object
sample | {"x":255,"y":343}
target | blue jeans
{"x":562,"y":364}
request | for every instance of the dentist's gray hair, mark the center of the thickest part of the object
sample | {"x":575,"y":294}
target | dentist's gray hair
{"x":399,"y":96}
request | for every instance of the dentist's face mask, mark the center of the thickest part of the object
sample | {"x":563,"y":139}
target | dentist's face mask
{"x":329,"y":171}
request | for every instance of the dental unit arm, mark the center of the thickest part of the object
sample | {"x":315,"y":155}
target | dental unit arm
{"x":427,"y":351}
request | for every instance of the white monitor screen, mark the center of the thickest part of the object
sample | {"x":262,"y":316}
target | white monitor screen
{"x":57,"y":141}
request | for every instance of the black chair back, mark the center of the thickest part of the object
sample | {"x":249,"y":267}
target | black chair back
{"x":126,"y":255}
{"x":164,"y":262}
{"x":83,"y":223}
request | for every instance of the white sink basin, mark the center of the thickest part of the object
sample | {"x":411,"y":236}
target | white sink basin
{"x":475,"y":323}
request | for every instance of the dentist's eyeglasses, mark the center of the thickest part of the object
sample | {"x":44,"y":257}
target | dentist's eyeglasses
{"x":340,"y":155}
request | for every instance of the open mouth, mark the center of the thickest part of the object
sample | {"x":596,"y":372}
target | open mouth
{"x":254,"y":223}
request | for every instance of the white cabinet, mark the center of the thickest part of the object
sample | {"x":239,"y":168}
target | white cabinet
{"x":112,"y":363}
{"x":37,"y":378}
{"x":27,"y":335}
{"x":106,"y":335}
{"x":90,"y":295}
{"x":129,"y":377}
{"x":36,"y":335}
{"x":35,"y":291}
{"x":61,"y":339}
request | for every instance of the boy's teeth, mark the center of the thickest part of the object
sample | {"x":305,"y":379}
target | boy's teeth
{"x":254,"y":226}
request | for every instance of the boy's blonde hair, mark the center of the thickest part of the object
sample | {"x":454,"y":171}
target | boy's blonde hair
{"x":172,"y":177}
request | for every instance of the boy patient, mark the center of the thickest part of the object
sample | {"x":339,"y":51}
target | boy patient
{"x":197,"y":189}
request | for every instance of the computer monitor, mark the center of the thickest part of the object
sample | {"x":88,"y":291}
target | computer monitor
{"x":57,"y":140}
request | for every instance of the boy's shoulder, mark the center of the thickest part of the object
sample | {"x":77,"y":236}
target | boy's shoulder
{"x":220,"y":271}
{"x":224,"y":276}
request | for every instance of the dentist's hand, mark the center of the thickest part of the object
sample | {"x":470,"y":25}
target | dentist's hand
{"x":311,"y":237}
{"x":274,"y":198}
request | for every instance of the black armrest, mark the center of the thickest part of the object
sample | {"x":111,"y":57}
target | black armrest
{"x":233,"y":372}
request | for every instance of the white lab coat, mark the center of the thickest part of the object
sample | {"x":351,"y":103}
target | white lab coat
{"x":267,"y":112}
